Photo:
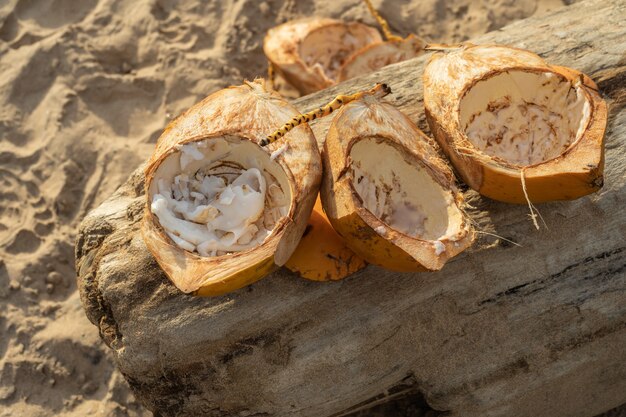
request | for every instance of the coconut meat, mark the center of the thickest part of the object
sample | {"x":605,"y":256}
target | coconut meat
{"x":522,"y":117}
{"x":219,"y":196}
{"x":402,"y":193}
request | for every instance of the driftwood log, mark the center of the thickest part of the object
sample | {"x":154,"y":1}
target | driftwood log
{"x":536,"y":330}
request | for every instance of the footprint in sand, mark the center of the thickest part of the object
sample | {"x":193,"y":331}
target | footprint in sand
{"x":16,"y":214}
{"x":53,"y":13}
{"x":123,"y":103}
{"x":64,"y":360}
{"x":33,"y":20}
{"x":28,"y":83}
{"x":25,"y":241}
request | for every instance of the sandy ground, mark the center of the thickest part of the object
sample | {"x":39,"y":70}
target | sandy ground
{"x":85,"y":89}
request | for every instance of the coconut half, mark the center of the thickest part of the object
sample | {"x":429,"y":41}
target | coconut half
{"x":221,"y":210}
{"x":310,"y":52}
{"x":500,"y":113}
{"x":388,"y":193}
{"x":322,"y":254}
{"x":378,"y":55}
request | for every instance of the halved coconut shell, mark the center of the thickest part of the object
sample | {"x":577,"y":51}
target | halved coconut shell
{"x":388,"y":193}
{"x":378,"y":55}
{"x":500,"y":113}
{"x":322,"y":255}
{"x":221,"y":210}
{"x":309,"y":52}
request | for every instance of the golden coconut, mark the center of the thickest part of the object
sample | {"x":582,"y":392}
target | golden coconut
{"x":323,"y":255}
{"x":310,"y":52}
{"x":516,"y":128}
{"x":388,"y":193}
{"x":221,"y":210}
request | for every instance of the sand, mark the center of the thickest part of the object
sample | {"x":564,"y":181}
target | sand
{"x":85,"y":89}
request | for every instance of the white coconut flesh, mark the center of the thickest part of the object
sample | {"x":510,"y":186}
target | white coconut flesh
{"x":219,"y":196}
{"x":402,"y":193}
{"x":325,"y":49}
{"x":524,"y":118}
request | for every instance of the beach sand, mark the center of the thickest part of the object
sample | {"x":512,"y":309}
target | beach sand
{"x":86,"y":88}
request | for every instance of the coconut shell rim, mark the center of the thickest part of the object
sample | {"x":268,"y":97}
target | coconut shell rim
{"x":397,"y":238}
{"x":153,"y":166}
{"x":461,"y":138}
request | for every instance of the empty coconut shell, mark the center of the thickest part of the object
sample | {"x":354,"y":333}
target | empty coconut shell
{"x":315,"y":53}
{"x":221,"y":210}
{"x":310,"y":52}
{"x":375,"y":56}
{"x":388,"y":193}
{"x":508,"y":121}
{"x":322,"y":254}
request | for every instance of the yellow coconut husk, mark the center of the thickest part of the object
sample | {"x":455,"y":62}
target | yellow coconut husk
{"x":378,"y":55}
{"x":220,"y":137}
{"x":323,"y":255}
{"x":516,"y":128}
{"x":387,"y":192}
{"x":309,"y":52}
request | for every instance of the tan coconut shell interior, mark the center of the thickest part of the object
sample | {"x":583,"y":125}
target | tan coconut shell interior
{"x":402,"y":193}
{"x":524,"y":117}
{"x":327,"y":48}
{"x":378,"y":55}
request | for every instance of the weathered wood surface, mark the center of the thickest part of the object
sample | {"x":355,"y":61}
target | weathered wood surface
{"x":537,"y":330}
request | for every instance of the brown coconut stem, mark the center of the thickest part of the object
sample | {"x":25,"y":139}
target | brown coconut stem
{"x":271,"y":75}
{"x":379,"y":90}
{"x":382,"y":22}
